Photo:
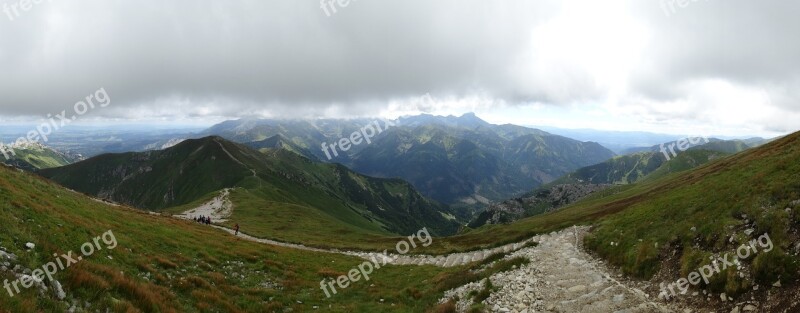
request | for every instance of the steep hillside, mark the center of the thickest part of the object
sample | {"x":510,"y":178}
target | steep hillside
{"x":149,"y":263}
{"x":279,"y":142}
{"x":665,"y":228}
{"x":455,"y":160}
{"x":628,"y":169}
{"x":445,"y":167}
{"x":305,"y":134}
{"x":543,"y":200}
{"x":453,"y":163}
{"x":621,"y":170}
{"x":194,"y":170}
{"x":35,"y":156}
{"x":713,"y":144}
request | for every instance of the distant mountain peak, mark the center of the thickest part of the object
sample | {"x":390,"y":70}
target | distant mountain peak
{"x":466,"y":120}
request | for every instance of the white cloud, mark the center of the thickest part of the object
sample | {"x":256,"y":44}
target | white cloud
{"x":598,"y":64}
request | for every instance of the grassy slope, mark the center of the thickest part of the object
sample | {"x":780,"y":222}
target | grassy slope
{"x":289,"y":222}
{"x":290,"y":198}
{"x":191,"y":268}
{"x":39,"y":158}
{"x":663,"y":210}
{"x":760,"y":183}
{"x":685,"y":161}
{"x":631,"y":168}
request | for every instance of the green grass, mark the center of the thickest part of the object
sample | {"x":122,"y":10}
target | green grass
{"x":713,"y":200}
{"x":38,"y":158}
{"x":291,"y":222}
{"x":652,"y":217}
{"x":166,"y":265}
{"x":278,"y":194}
{"x":191,"y":271}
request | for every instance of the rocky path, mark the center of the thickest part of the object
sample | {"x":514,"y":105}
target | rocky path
{"x":271,"y":242}
{"x":218,"y":209}
{"x":456,"y":259}
{"x":559,"y":278}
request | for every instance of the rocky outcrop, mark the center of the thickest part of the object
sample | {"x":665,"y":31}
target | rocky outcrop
{"x":542,"y":201}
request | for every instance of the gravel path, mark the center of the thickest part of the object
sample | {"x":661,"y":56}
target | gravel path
{"x":219,"y":209}
{"x":456,"y":259}
{"x":559,"y":278}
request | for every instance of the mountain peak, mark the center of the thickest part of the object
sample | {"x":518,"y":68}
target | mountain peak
{"x":467,"y":120}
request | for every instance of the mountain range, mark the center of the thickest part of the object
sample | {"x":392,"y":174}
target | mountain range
{"x":461,"y":161}
{"x":271,"y":187}
{"x":649,"y":221}
{"x":617,"y":171}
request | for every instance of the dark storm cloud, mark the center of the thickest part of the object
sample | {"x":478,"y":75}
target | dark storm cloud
{"x":240,"y":54}
{"x":287,"y":58}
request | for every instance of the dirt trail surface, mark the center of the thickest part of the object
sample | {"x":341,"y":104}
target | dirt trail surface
{"x":559,"y":278}
{"x":456,"y":259}
{"x":219,"y":209}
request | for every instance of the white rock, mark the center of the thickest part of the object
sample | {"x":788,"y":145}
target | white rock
{"x":578,"y":288}
{"x":58,"y":290}
{"x":30,"y":246}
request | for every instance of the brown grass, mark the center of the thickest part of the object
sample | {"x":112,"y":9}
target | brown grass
{"x":217,"y":278}
{"x":447,"y":307}
{"x":164,"y":263}
{"x":144,"y":296}
{"x":329,"y":273}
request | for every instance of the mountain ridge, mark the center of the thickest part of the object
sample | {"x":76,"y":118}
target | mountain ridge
{"x":193,"y":169}
{"x":476,"y":161}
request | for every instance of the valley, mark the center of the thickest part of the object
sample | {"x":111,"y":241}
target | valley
{"x":261,"y":192}
{"x":276,"y":193}
{"x":461,"y":161}
{"x":399,"y":156}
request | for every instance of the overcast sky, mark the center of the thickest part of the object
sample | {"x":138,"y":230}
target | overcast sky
{"x":714,"y":67}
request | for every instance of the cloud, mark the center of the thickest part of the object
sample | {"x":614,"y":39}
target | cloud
{"x":200,"y":58}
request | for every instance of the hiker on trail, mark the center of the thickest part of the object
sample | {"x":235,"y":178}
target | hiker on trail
{"x":237,"y":229}
{"x":208,"y":220}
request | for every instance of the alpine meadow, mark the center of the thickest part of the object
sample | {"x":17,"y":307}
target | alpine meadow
{"x":419,"y":156}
